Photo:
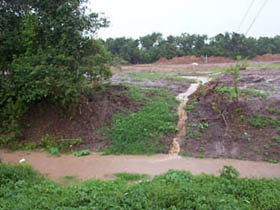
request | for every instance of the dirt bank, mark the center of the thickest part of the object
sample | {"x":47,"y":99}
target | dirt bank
{"x":220,"y":127}
{"x":95,"y":111}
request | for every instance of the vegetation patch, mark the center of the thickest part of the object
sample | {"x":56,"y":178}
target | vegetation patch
{"x":23,"y":188}
{"x":131,"y":177}
{"x":138,"y":76}
{"x":82,"y":153}
{"x":144,"y":132}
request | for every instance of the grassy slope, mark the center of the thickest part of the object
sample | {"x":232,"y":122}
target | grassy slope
{"x":22,"y":188}
{"x":145,"y":131}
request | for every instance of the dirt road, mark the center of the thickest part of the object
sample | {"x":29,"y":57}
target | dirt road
{"x":97,"y":166}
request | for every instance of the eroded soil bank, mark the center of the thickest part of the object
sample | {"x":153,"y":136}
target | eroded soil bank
{"x":220,"y":127}
{"x":96,"y":166}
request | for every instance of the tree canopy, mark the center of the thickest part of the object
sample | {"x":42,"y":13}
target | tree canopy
{"x":46,"y":49}
{"x":149,"y":48}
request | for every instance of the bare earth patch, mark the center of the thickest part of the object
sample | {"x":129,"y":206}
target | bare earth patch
{"x":91,"y":116}
{"x":218,"y":127}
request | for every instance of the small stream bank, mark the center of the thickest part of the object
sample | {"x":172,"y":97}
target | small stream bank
{"x":181,"y":125}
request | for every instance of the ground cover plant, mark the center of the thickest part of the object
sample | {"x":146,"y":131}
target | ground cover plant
{"x":23,"y":188}
{"x":150,"y":129}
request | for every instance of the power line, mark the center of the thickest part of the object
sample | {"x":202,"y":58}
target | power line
{"x":258,"y":14}
{"x":244,"y":17}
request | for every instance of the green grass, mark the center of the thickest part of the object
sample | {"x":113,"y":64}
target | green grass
{"x":191,"y":105}
{"x":82,"y":153}
{"x":258,"y":121}
{"x":266,"y":66}
{"x":137,"y":76}
{"x":131,"y":177}
{"x":22,"y":188}
{"x":142,"y":132}
{"x":261,"y":121}
{"x":230,"y":92}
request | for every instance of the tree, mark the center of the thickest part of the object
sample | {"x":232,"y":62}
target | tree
{"x":46,"y":50}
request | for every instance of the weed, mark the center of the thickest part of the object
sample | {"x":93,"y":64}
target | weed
{"x":272,"y":161}
{"x":274,"y":122}
{"x":231,"y":93}
{"x":204,"y":125}
{"x":55,"y":146}
{"x":258,"y":152}
{"x":142,"y":132}
{"x":69,"y":180}
{"x":258,"y":121}
{"x":82,"y":153}
{"x":266,"y":146}
{"x":266,"y":66}
{"x":184,"y":154}
{"x":229,"y":172}
{"x":274,"y":111}
{"x":266,"y":153}
{"x":192,"y":133}
{"x":131,"y":176}
{"x":138,"y":77}
{"x":53,"y":151}
{"x":192,"y":105}
{"x":22,"y":188}
{"x":235,"y":73}
{"x":276,"y":139}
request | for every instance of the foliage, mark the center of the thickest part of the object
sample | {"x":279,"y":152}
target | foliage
{"x":229,"y":172}
{"x":55,"y":145}
{"x":142,"y":132}
{"x":149,"y":48}
{"x":82,"y":153}
{"x":192,"y":104}
{"x":21,"y":188}
{"x":45,"y":54}
{"x":261,"y":121}
{"x":235,"y":73}
{"x":258,"y":121}
{"x":131,"y":176}
{"x":230,"y":92}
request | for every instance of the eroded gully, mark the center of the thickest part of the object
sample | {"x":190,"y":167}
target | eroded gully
{"x":102,"y":167}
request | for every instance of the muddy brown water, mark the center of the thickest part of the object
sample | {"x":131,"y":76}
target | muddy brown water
{"x":97,"y":166}
{"x":184,"y":98}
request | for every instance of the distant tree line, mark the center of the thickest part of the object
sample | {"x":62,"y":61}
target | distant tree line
{"x":150,"y":48}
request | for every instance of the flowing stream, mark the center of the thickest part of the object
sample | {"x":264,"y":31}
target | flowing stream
{"x":184,"y":98}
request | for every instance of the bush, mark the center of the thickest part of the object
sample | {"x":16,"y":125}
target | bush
{"x":45,"y":55}
{"x":21,"y":188}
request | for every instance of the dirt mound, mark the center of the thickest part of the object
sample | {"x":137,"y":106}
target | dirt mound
{"x":217,"y":127}
{"x":193,"y":59}
{"x":267,"y":57}
{"x":93,"y":113}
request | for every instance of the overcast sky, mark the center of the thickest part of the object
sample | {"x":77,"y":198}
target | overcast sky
{"x":135,"y":18}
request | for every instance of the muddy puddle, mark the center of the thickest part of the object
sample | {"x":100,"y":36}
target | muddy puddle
{"x":102,"y":167}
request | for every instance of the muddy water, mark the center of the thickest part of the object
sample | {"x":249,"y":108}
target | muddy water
{"x":184,"y":97}
{"x":97,"y":166}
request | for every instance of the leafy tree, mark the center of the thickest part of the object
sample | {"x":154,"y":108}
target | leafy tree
{"x":151,"y":47}
{"x":46,"y":50}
